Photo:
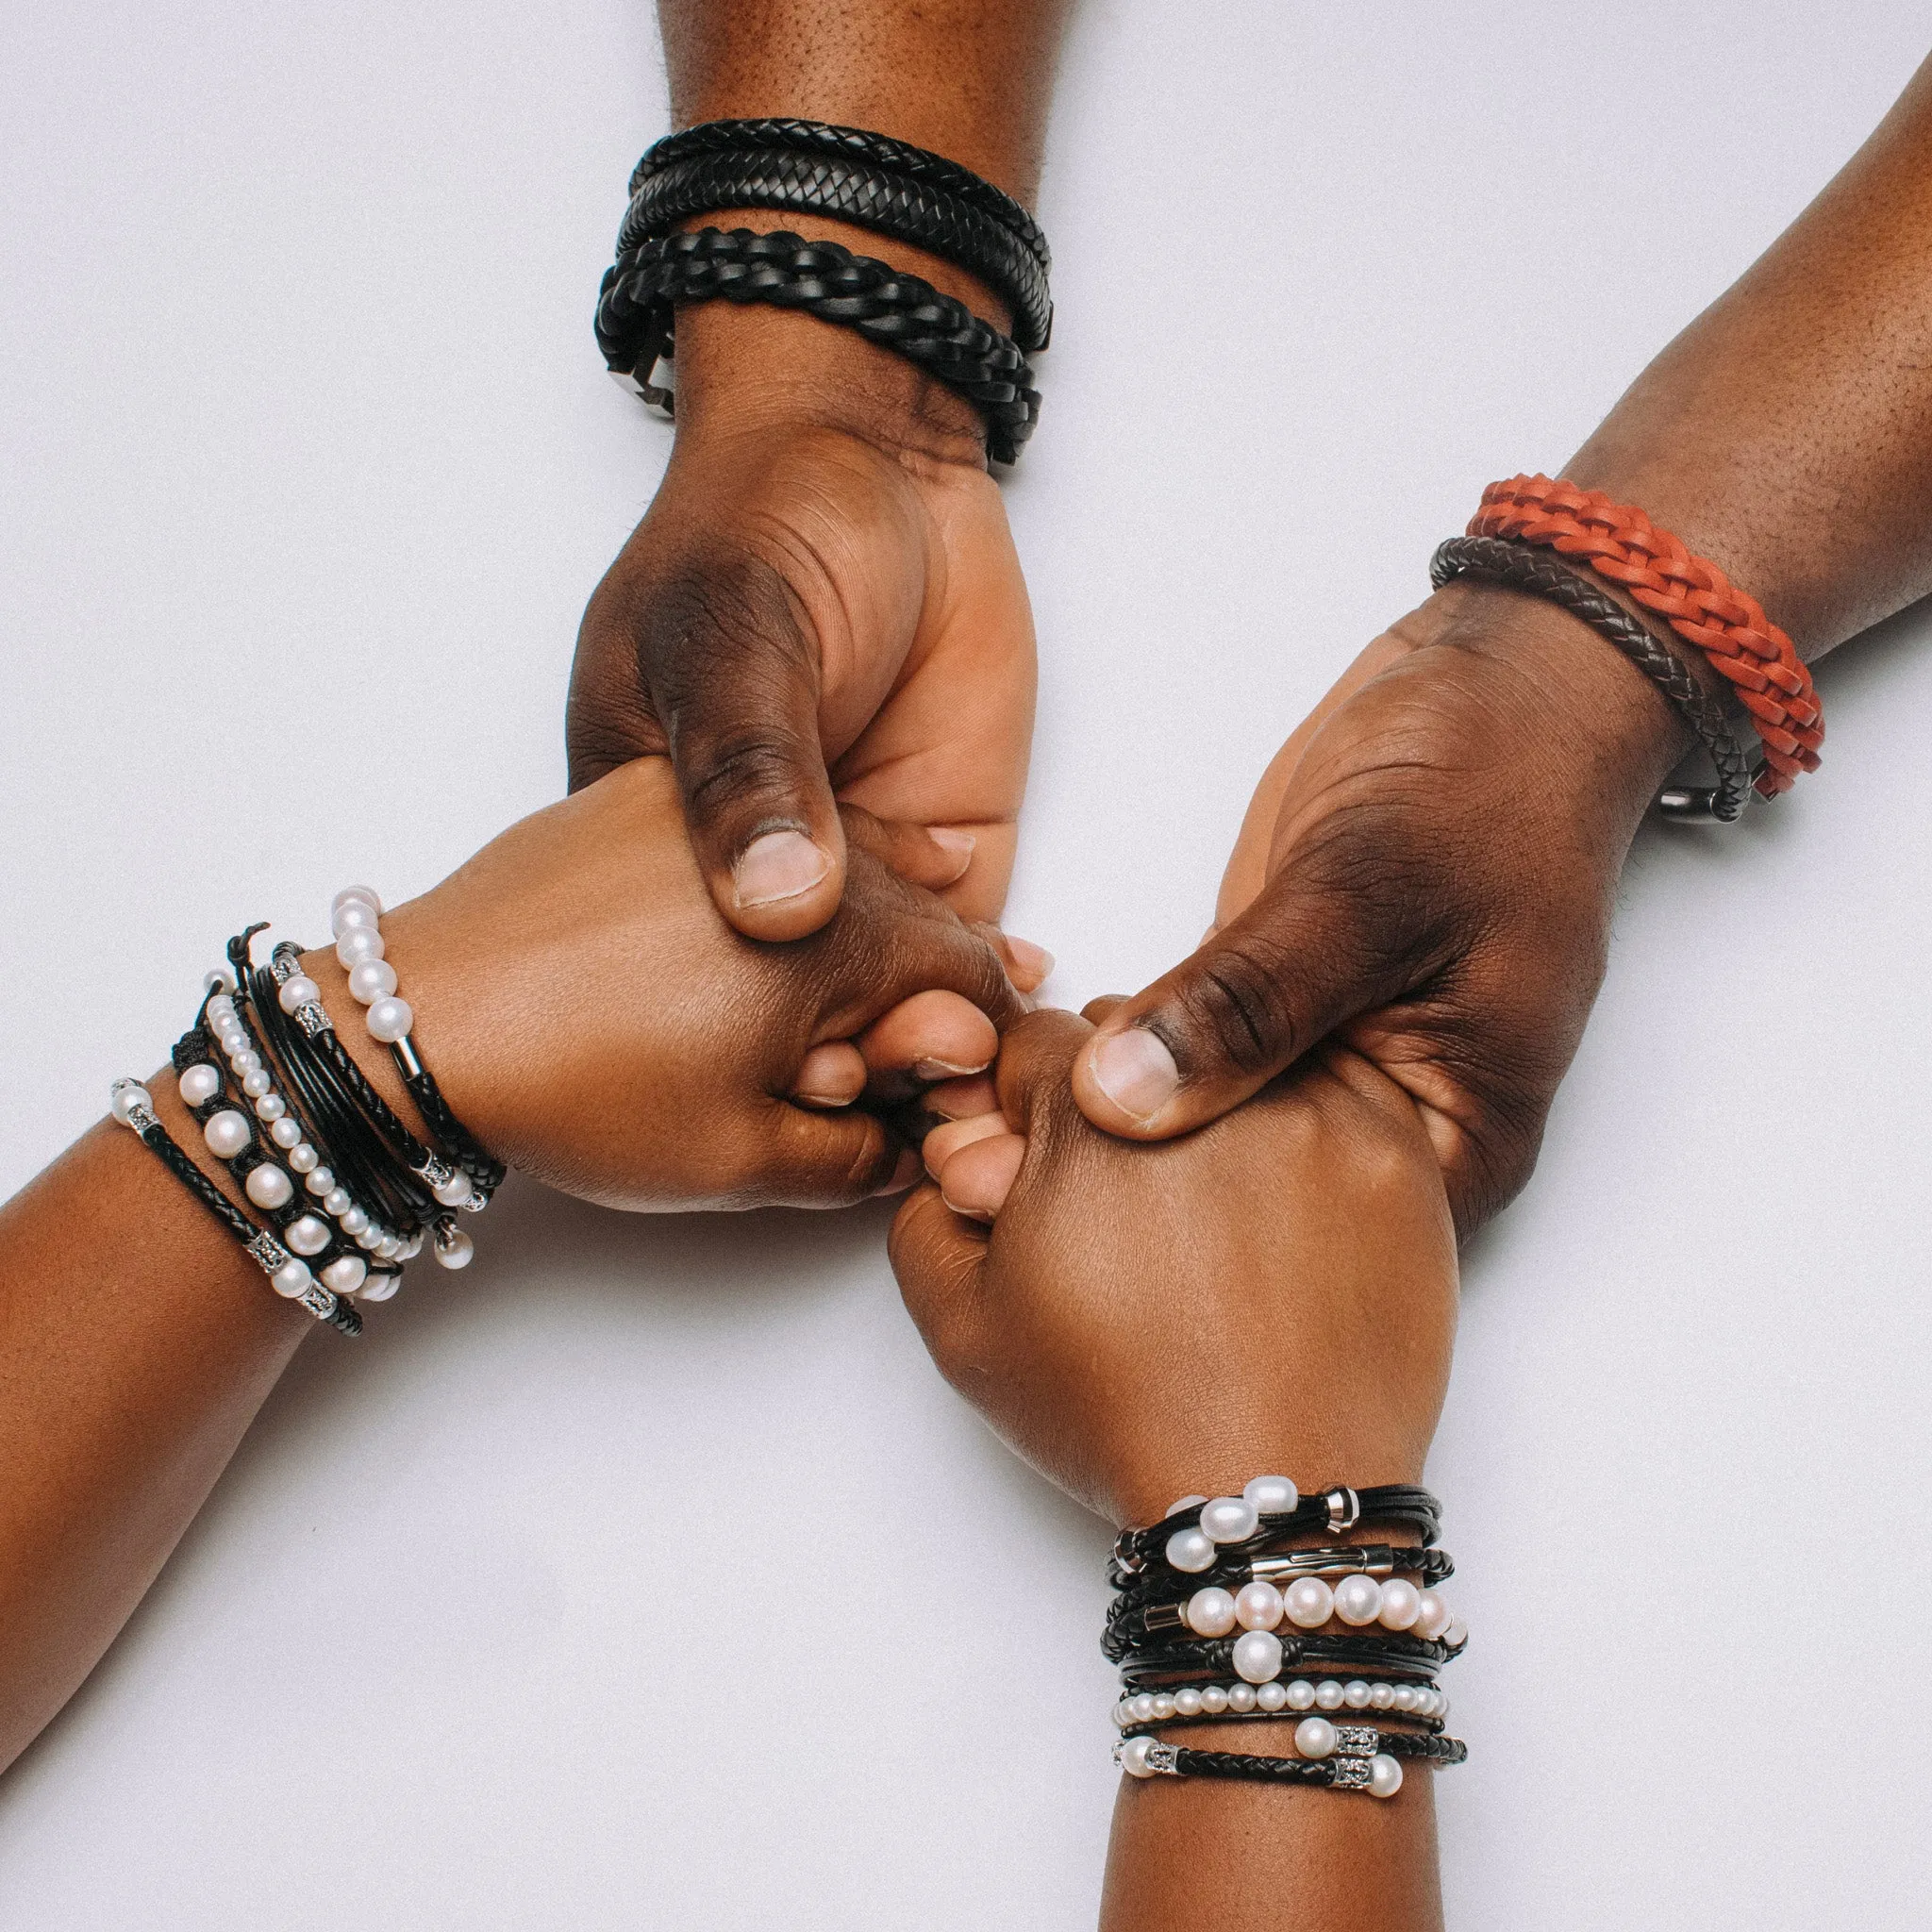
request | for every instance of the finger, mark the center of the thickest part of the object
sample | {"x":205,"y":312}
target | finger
{"x":937,"y":1257}
{"x":735,"y":682}
{"x":962,"y":1100}
{"x":934,"y":856}
{"x":1097,"y":1009}
{"x":977,"y":1178}
{"x":830,"y":1075}
{"x":1026,"y":964}
{"x":933,"y":1036}
{"x":947,"y":1139}
{"x":830,"y":1159}
{"x":1266,"y":988}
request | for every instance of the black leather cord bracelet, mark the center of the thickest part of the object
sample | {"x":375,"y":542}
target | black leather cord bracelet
{"x":1522,"y":567}
{"x":1156,"y":1667}
{"x":1141,"y":1552}
{"x":640,"y":292}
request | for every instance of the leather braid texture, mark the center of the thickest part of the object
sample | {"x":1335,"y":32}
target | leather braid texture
{"x":855,"y":145}
{"x":900,"y":312}
{"x":1498,"y":560}
{"x":854,"y":190}
{"x":1689,"y":592}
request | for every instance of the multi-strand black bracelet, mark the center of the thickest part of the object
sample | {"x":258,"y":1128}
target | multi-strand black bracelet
{"x":350,"y":1191}
{"x":1191,"y":1650}
{"x":854,"y":175}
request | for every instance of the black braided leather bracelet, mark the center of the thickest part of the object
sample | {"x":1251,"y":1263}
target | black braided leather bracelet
{"x":900,"y":312}
{"x":1521,"y":567}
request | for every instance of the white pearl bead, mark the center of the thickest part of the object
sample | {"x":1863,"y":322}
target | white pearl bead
{"x":1240,"y":1697}
{"x":353,"y":1221}
{"x":345,"y":1274}
{"x":388,"y":1248}
{"x":123,"y":1096}
{"x":1404,"y":1697}
{"x":1186,"y":1703}
{"x":379,"y":1288}
{"x":298,"y":991}
{"x":271,"y":1108}
{"x":351,"y":913}
{"x":1134,"y":1757}
{"x":321,"y":1180}
{"x":1309,"y":1602}
{"x":1211,"y":1613}
{"x":291,"y":1279}
{"x":1140,"y":1708}
{"x":1314,"y":1737}
{"x":454,"y":1249}
{"x":220,"y":1011}
{"x":390,"y":1018}
{"x":1328,"y":1694}
{"x":1258,"y":1606}
{"x":246,"y":1062}
{"x":1358,"y":1599}
{"x":220,"y":982}
{"x":1272,"y":1495}
{"x":1258,"y":1656}
{"x":1214,"y":1700}
{"x":1184,"y":1503}
{"x":1457,"y":1633}
{"x":1228,"y":1519}
{"x":232,"y":1043}
{"x":454,"y":1190}
{"x":370,"y":979}
{"x":256,"y":1082}
{"x":1163,"y":1706}
{"x":1270,"y":1697}
{"x":1385,"y":1776}
{"x":1123,"y":1717}
{"x":1355,"y":1693}
{"x":1432,"y":1615}
{"x":199,"y":1085}
{"x":1442,"y":1703}
{"x":1189,"y":1551}
{"x":267,"y":1186}
{"x":365,"y":893}
{"x":302,"y":1157}
{"x":226,"y":1133}
{"x":1301,"y":1695}
{"x":1426,"y":1702}
{"x":1382,"y":1696}
{"x":358,"y":943}
{"x":285,"y":1130}
{"x":370,"y":1239}
{"x":1402,"y":1603}
{"x":338,"y":1201}
{"x":306,"y":1236}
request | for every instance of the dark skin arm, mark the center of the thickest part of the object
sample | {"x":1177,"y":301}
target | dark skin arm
{"x":1426,"y":870}
{"x":822,"y":603}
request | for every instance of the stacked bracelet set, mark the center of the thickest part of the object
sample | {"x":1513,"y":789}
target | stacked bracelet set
{"x":1557,"y":541}
{"x":808,"y":167}
{"x":1224,"y":1614}
{"x":346,"y":1192}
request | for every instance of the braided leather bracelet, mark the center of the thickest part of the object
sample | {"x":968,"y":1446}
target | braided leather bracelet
{"x":897,"y":312}
{"x":851,"y":191}
{"x":1691,"y":593}
{"x":1330,"y":1512}
{"x":1497,"y":561}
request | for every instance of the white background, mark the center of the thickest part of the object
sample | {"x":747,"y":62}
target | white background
{"x":647,"y":1576}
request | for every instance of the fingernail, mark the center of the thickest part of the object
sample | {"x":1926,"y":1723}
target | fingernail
{"x":960,"y":845}
{"x":945,"y":1070}
{"x":902,"y":1176}
{"x":780,"y":865}
{"x":820,"y":1100}
{"x":1029,"y":957}
{"x":1136,"y":1072}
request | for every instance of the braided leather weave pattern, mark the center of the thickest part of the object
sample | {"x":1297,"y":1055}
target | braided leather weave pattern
{"x":850,"y":191}
{"x":1691,"y":593}
{"x":1497,"y":561}
{"x":860,"y":146}
{"x":898,"y":312}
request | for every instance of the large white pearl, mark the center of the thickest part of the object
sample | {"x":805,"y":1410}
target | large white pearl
{"x":291,"y":1279}
{"x":350,"y":914}
{"x":365,"y":893}
{"x":1432,"y":1615}
{"x":1134,"y":1757}
{"x":358,"y":943}
{"x":345,"y":1274}
{"x":1258,"y":1606}
{"x":1309,"y":1602}
{"x":390,"y":1018}
{"x":1186,"y":1703}
{"x":1258,"y":1656}
{"x":306,"y":1236}
{"x":226,"y":1133}
{"x":454,"y":1248}
{"x":220,"y":982}
{"x":1358,"y":1599}
{"x":1189,"y":1551}
{"x":220,"y":1011}
{"x":271,"y":1108}
{"x":1402,"y":1603}
{"x":454,"y":1190}
{"x":1214,"y":1700}
{"x":1328,"y":1694}
{"x":1272,"y":1495}
{"x":1228,"y":1519}
{"x":267,"y":1186}
{"x":298,"y":991}
{"x":1355,"y":1693}
{"x":1270,"y":1697}
{"x":369,"y":979}
{"x":1314,"y":1737}
{"x":1385,"y":1776}
{"x":123,"y":1096}
{"x":1211,"y":1613}
{"x":1240,"y":1697}
{"x":303,"y":1159}
{"x":1174,"y":1508}
{"x":199,"y":1085}
{"x":1301,"y":1695}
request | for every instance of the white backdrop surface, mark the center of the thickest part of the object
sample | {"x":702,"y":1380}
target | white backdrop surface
{"x":309,"y":464}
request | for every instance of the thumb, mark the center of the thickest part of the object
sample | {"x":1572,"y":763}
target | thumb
{"x":1255,"y":996}
{"x":734,"y":680}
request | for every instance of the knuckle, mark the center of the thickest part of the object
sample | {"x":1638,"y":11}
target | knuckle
{"x":736,"y":770}
{"x":1234,"y":1011}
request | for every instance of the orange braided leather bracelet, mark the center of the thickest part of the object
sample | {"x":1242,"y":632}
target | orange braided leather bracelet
{"x":1622,"y":544}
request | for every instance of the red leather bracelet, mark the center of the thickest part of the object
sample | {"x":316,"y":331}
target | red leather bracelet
{"x":1701,"y":604}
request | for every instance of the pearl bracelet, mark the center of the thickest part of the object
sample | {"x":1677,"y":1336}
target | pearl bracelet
{"x":1242,"y":1699}
{"x":1196,"y":1531}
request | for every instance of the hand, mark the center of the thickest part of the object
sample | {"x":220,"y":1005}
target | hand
{"x":1275,"y":1293}
{"x":1426,"y":874}
{"x":596,"y":1023}
{"x":823,"y":602}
